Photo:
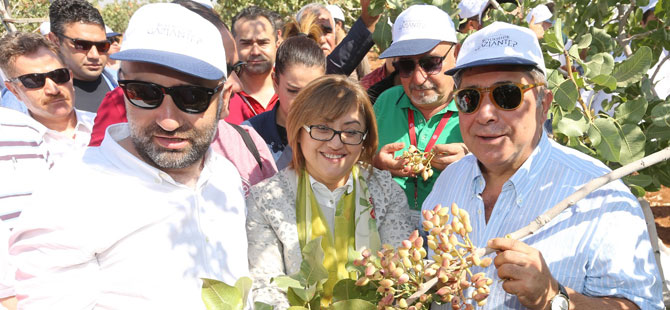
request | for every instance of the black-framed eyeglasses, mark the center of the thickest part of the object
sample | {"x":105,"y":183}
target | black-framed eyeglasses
{"x":325,"y":133}
{"x":505,"y":96}
{"x":85,"y":45}
{"x":430,"y":64}
{"x":237,"y":67}
{"x":37,"y":80}
{"x":188,"y":98}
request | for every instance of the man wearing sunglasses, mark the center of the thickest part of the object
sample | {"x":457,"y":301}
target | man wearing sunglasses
{"x":152,"y":204}
{"x":596,"y":254}
{"x":77,"y":28}
{"x":419,"y":112}
{"x":39,"y":78}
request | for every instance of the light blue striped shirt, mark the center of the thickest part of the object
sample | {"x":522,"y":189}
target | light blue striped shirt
{"x":599,"y":247}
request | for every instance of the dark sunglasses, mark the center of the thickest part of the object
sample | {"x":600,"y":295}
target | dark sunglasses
{"x":37,"y":80}
{"x":237,"y":67}
{"x":504,"y":96}
{"x":188,"y":98}
{"x":114,"y":39}
{"x":430,"y":64}
{"x":85,"y":45}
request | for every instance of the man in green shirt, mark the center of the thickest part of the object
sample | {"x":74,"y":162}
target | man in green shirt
{"x":419,"y":112}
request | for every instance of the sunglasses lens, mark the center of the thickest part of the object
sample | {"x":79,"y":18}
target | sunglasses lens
{"x":32,"y":80}
{"x":431,"y":65}
{"x":84,"y":45}
{"x":405,"y":67}
{"x":59,"y":76}
{"x":508,"y":96}
{"x":467,"y":100}
{"x":191,"y":99}
{"x":144,"y":96}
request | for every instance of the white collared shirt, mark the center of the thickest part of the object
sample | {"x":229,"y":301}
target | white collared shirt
{"x":112,"y":232}
{"x":328,"y":199}
{"x":61,"y":146}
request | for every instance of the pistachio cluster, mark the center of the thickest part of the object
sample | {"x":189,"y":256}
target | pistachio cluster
{"x":419,"y":162}
{"x":399,"y":273}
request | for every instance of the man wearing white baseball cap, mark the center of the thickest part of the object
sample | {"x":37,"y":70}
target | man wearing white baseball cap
{"x":594,"y":255}
{"x":471,"y":14}
{"x":420,"y":112}
{"x":177,"y":211}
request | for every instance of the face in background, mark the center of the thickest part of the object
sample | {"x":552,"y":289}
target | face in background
{"x":432,"y":90}
{"x":166,"y":137}
{"x":330,"y":162}
{"x":116,"y":44}
{"x":327,"y":40}
{"x":289,"y":83}
{"x":231,"y":59}
{"x":256,"y":44}
{"x":503,"y":139}
{"x":85,"y":65}
{"x":50,"y":102}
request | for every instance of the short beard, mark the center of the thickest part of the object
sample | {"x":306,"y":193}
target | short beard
{"x":162,"y":158}
{"x":261,"y":68}
{"x":425,"y":100}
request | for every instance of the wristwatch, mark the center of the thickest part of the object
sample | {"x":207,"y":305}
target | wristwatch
{"x":561,"y":301}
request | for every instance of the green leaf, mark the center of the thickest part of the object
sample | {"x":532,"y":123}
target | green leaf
{"x":584,"y":41}
{"x":631,"y":112}
{"x":573,"y":124}
{"x":660,"y":115}
{"x":354,"y":304}
{"x":347,"y":289}
{"x":551,"y":43}
{"x":605,"y":138}
{"x":312,"y":268}
{"x":607,"y":81}
{"x":284,"y":282}
{"x":632,"y":143}
{"x":382,"y":35}
{"x":566,"y":95}
{"x":601,"y":40}
{"x":554,"y":78}
{"x":262,"y":306}
{"x":218,"y":295}
{"x":577,"y":144}
{"x":600,"y":64}
{"x":638,"y":179}
{"x":558,"y":33}
{"x":376,"y":7}
{"x":244,"y":285}
{"x":657,"y":132}
{"x":637,"y":190}
{"x":297,"y":296}
{"x":634,"y":68}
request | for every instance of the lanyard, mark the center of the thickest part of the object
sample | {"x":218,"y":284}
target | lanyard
{"x":429,"y":146}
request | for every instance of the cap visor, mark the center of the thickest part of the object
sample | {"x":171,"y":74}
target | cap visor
{"x":179,"y":62}
{"x":409,"y":48}
{"x":112,"y":34}
{"x":492,"y":62}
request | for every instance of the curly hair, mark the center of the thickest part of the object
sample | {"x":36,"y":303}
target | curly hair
{"x":63,"y":12}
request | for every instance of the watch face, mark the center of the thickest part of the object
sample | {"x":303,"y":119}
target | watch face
{"x":559,"y":303}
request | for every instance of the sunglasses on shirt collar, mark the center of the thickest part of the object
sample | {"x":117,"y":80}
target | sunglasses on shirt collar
{"x":429,"y":64}
{"x":85,"y":45}
{"x":237,"y":67}
{"x":188,"y":98}
{"x":506,"y":96}
{"x":37,"y":80}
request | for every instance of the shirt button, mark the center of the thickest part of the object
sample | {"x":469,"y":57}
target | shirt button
{"x":479,"y":211}
{"x":519,"y":201}
{"x":164,"y":175}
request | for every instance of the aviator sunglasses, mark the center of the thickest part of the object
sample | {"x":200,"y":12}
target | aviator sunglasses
{"x":430,"y":64}
{"x":37,"y":80}
{"x":188,"y":98}
{"x":504,"y":96}
{"x":85,"y":45}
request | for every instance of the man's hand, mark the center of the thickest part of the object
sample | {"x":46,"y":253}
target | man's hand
{"x":524,"y":272}
{"x":536,"y":28}
{"x":446,"y":154}
{"x":369,"y":21}
{"x":385,"y":160}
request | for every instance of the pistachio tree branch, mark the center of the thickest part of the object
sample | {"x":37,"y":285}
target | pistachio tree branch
{"x":4,"y":15}
{"x":639,"y":35}
{"x":588,"y":188}
{"x":623,"y":21}
{"x":658,"y":68}
{"x":496,"y":5}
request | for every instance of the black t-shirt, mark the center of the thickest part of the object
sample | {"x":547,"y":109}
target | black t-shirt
{"x":89,"y":94}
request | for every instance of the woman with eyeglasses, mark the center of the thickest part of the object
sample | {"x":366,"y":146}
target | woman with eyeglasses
{"x":330,"y":190}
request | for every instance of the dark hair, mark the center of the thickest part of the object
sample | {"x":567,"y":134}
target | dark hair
{"x":204,"y":12}
{"x":63,"y":12}
{"x":299,"y":50}
{"x":254,"y":12}
{"x":18,"y":44}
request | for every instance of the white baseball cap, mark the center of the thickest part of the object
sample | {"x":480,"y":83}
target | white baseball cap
{"x":418,"y":29}
{"x":45,"y":28}
{"x":170,"y":35}
{"x":500,"y":44}
{"x":650,"y":6}
{"x":335,"y":11}
{"x":206,"y":3}
{"x":541,"y":13}
{"x":110,"y":33}
{"x":472,"y":8}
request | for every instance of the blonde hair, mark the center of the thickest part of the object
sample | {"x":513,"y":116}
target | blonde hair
{"x":306,"y":26}
{"x":327,"y":98}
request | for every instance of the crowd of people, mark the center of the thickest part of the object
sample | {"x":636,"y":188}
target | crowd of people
{"x":133,"y":165}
